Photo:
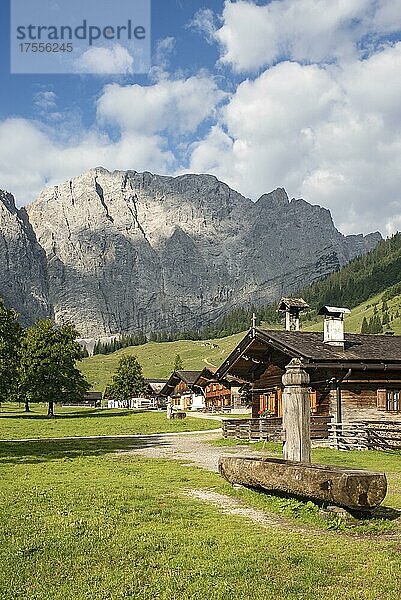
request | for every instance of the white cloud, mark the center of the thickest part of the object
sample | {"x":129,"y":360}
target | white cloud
{"x":45,"y":100}
{"x":330,"y":134}
{"x":253,"y":36}
{"x":163,"y":51}
{"x":170,"y":105}
{"x":204,"y":23}
{"x":105,"y":61}
{"x":31,"y":159}
{"x":34,"y":154}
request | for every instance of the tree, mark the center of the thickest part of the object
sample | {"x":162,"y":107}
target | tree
{"x":48,"y":372}
{"x":178,"y":364}
{"x":10,"y":343}
{"x":365,"y":326}
{"x":128,"y":381}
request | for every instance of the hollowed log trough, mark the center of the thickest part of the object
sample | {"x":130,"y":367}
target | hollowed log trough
{"x":349,"y":488}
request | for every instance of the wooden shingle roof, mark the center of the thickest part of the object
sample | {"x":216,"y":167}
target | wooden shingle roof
{"x":261,"y":347}
{"x":357,"y":347}
{"x":189,"y":377}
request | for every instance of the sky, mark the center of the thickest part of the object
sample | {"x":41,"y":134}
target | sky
{"x":300,"y":94}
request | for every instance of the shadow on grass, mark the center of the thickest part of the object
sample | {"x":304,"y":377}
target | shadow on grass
{"x":83,"y":414}
{"x":37,"y":451}
{"x":381,"y":512}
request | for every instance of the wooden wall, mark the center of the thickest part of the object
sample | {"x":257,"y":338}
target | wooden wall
{"x":358,"y":394}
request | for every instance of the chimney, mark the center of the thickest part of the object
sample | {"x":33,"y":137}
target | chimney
{"x":334,"y":325}
{"x":292,"y":307}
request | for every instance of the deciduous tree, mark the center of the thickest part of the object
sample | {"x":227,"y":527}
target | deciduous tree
{"x":10,"y":340}
{"x":48,"y":371}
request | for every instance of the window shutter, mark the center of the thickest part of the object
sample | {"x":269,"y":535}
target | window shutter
{"x":313,"y":401}
{"x":381,"y":399}
{"x":279,"y":403}
{"x":272,"y":402}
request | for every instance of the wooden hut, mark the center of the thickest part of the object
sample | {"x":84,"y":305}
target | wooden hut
{"x":220,"y":395}
{"x":181,"y":389}
{"x":352,"y":376}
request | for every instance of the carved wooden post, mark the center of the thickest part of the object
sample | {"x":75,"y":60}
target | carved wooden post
{"x":296,"y":413}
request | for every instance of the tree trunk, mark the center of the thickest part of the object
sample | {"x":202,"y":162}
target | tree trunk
{"x":27,"y":409}
{"x":50,"y":411}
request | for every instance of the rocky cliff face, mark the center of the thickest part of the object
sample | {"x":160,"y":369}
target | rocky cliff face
{"x":129,"y":251}
{"x":23,"y":276}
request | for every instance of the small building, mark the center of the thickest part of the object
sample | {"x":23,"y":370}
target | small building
{"x":153,"y":388}
{"x":93,"y":399}
{"x":352,"y":376}
{"x":181,"y":388}
{"x":223,"y":394}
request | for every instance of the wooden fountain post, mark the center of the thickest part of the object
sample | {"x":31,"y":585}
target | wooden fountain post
{"x":352,"y":488}
{"x":296,"y":413}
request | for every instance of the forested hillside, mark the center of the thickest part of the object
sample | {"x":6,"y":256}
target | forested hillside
{"x":362,"y":278}
{"x":367,"y":276}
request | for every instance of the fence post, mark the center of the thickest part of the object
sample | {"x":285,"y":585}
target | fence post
{"x":296,"y":413}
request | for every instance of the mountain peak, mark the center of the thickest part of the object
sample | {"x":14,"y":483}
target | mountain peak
{"x":9,"y":202}
{"x":274,"y":199}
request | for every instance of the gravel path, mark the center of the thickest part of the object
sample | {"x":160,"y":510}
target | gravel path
{"x":190,"y":448}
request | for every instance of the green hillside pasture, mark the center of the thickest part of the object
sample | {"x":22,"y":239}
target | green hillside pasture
{"x":353,"y":322}
{"x":73,"y":422}
{"x":80,"y":522}
{"x":157,"y":359}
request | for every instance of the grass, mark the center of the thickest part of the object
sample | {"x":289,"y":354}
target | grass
{"x":15,"y":424}
{"x":157,"y":359}
{"x":353,"y":322}
{"x":81,"y":522}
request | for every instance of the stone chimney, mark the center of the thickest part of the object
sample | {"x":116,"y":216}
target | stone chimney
{"x":334,"y":325}
{"x":292,"y":308}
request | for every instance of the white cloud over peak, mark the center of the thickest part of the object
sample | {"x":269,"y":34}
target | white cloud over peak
{"x":175,"y":105}
{"x":97,"y":60}
{"x":330,"y":134}
{"x":31,"y":159}
{"x":252,"y":36}
{"x":39,"y":153}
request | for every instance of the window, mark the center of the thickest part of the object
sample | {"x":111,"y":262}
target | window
{"x":393,"y":400}
{"x":389,"y":400}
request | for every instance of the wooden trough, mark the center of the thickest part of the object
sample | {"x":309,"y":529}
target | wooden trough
{"x":350,"y":488}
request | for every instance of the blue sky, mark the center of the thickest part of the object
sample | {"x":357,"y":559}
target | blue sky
{"x":301,"y":94}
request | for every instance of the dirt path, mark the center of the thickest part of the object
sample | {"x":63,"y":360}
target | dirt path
{"x":192,"y":449}
{"x":195,"y":450}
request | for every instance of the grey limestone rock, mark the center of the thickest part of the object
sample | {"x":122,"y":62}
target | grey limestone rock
{"x":123,"y":251}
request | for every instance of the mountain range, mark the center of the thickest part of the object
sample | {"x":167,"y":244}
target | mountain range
{"x":123,"y":252}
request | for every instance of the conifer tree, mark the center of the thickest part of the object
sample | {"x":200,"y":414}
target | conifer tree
{"x":128,"y":381}
{"x":178,"y":364}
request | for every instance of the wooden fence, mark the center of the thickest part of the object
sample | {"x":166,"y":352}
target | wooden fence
{"x":365,"y":435}
{"x":269,"y":429}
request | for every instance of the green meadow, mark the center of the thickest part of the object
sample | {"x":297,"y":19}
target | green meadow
{"x":157,"y":359}
{"x":87,"y":520}
{"x":75,"y":422}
